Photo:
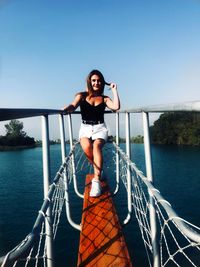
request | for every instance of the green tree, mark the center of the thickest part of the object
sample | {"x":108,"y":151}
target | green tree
{"x":15,"y":129}
{"x":181,"y":128}
{"x":15,"y":136}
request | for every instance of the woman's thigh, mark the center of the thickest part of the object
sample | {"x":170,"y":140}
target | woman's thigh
{"x":98,"y":143}
{"x":86,"y":144}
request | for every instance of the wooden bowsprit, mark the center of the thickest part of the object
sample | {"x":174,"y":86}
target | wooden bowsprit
{"x":101,"y":239}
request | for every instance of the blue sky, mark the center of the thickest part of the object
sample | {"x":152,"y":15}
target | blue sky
{"x":151,"y":49}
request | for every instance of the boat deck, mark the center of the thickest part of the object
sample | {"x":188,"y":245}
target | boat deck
{"x":101,"y":239}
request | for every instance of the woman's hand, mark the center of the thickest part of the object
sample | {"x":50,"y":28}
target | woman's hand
{"x":65,"y":111}
{"x":113,"y":86}
{"x":68,"y":109}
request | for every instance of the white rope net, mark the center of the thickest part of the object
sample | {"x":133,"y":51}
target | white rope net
{"x":178,"y":241}
{"x":175,"y":245}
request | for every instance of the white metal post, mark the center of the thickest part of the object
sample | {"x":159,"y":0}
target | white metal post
{"x":62,"y":137}
{"x":63,"y":152}
{"x":46,"y":177}
{"x":149,"y":173}
{"x":128,"y":153}
{"x":73,"y":161}
{"x":117,"y":153}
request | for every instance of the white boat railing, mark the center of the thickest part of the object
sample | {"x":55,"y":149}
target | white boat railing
{"x":138,"y":199}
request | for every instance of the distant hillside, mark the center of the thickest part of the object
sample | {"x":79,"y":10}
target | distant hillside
{"x":180,"y":128}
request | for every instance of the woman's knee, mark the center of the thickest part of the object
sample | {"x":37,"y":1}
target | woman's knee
{"x":98,"y":144}
{"x":86,"y":145}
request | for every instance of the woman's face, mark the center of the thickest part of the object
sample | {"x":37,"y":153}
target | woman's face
{"x":96,"y":82}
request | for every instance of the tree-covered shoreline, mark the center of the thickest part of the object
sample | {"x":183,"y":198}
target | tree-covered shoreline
{"x":176,"y":128}
{"x":173,"y":128}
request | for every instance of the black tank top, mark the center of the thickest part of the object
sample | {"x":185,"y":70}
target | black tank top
{"x":92,"y":113}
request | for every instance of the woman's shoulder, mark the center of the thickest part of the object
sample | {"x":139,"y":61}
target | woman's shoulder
{"x":81,"y":95}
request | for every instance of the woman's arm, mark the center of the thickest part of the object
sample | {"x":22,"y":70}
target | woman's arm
{"x":73,"y":106}
{"x":115,"y":103}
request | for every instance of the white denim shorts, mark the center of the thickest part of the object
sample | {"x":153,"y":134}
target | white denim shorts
{"x":93,"y":131}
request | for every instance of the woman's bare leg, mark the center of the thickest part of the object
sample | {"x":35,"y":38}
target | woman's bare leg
{"x":98,"y":157}
{"x":93,"y":151}
{"x":87,"y":147}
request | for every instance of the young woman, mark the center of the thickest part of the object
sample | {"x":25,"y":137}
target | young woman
{"x":93,"y":132}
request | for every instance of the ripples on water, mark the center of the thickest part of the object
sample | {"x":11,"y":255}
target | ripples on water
{"x":176,"y":175}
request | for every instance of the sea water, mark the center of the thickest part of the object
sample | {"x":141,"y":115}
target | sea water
{"x":176,"y":174}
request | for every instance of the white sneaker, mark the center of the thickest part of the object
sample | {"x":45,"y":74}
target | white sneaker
{"x":95,"y":190}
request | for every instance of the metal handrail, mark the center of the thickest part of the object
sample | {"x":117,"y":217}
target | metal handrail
{"x":20,"y":113}
{"x":17,"y":113}
{"x":185,"y":106}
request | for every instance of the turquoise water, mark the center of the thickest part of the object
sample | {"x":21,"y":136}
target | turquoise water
{"x":176,"y":175}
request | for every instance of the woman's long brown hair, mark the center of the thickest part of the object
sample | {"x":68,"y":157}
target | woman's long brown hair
{"x":103,"y":82}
